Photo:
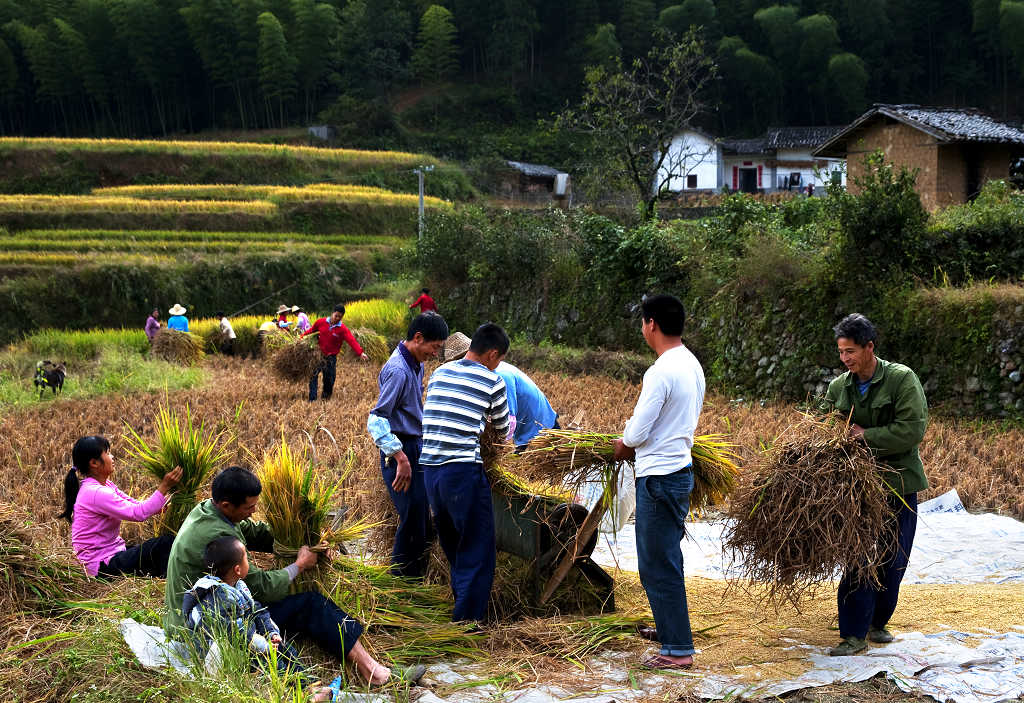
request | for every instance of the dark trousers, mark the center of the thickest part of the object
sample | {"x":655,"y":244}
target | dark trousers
{"x":410,"y":554}
{"x":460,"y":498}
{"x":146,"y":559}
{"x":662,"y":503}
{"x":328,"y":369}
{"x":312,"y":615}
{"x":863,"y":606}
{"x":227,"y":347}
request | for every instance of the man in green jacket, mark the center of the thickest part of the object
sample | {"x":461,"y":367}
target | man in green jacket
{"x":889,"y":413}
{"x":235,"y":493}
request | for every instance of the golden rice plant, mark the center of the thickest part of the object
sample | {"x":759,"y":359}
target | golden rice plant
{"x":343,"y":156}
{"x":374,"y":345}
{"x":178,"y":442}
{"x":386,"y":316}
{"x":90,"y":203}
{"x":206,"y":237}
{"x":296,"y":499}
{"x":36,"y":258}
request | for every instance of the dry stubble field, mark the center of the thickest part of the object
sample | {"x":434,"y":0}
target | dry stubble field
{"x":254,"y":409}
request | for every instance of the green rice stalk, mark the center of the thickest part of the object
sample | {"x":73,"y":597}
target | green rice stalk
{"x":178,"y":443}
{"x":568,"y":458}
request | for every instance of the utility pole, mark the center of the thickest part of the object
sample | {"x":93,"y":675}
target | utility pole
{"x":420,"y":172}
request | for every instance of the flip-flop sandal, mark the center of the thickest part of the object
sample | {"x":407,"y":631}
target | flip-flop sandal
{"x":660,"y":662}
{"x":647,"y":632}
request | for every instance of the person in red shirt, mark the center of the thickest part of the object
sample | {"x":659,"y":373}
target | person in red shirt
{"x":331,"y":334}
{"x":425,"y":302}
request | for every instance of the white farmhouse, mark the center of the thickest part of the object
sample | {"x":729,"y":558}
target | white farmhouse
{"x":778,"y":161}
{"x":694,"y":161}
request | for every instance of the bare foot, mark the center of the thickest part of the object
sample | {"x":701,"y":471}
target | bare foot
{"x":375,"y":674}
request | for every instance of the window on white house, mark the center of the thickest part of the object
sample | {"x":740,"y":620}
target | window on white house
{"x":691,"y":180}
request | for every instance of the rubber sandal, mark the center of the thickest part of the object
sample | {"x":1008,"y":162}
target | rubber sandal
{"x":660,"y":662}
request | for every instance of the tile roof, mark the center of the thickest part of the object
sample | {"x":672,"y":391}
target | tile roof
{"x":535,"y":170}
{"x":956,"y":124}
{"x":946,"y":124}
{"x":794,"y":137}
{"x":745,"y":146}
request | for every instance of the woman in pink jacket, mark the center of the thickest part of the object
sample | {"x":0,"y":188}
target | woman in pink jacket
{"x":95,"y":507}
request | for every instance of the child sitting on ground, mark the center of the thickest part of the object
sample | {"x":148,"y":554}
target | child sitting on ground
{"x":220,"y":602}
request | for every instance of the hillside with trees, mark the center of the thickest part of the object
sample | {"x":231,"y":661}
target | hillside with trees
{"x":132,"y":68}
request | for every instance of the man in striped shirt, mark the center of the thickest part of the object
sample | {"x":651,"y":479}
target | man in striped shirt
{"x":462,"y":397}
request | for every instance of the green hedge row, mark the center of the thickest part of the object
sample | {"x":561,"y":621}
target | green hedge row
{"x":306,"y":217}
{"x":115,"y":295}
{"x":78,"y":171}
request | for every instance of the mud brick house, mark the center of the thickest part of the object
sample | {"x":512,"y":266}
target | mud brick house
{"x":955,"y":150}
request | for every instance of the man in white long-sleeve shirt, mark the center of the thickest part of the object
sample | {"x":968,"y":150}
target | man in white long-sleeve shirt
{"x":660,"y":436}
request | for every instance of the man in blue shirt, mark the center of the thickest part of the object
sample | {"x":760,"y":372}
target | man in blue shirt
{"x":396,"y":425}
{"x":529,"y":411}
{"x":177,"y":320}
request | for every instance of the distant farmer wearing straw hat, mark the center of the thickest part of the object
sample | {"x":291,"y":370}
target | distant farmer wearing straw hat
{"x":529,"y":411}
{"x":396,"y":425}
{"x":282,"y":317}
{"x":660,"y":437}
{"x":302,"y":323}
{"x":462,"y":397}
{"x":177,"y":320}
{"x":331,"y":335}
{"x":889,"y":413}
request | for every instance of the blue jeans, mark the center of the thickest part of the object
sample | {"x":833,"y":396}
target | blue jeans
{"x":328,"y":369}
{"x":863,"y":606}
{"x":318,"y":618}
{"x":460,"y":498}
{"x":410,"y":554}
{"x":662,"y":503}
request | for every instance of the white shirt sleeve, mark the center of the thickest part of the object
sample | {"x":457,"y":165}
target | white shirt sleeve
{"x":647,"y":410}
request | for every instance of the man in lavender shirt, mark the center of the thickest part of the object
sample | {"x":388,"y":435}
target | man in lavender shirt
{"x":152,"y":324}
{"x":396,"y":425}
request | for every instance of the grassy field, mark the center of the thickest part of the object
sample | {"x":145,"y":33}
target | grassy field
{"x":72,"y":649}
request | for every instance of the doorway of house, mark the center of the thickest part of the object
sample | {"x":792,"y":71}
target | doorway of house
{"x":748,"y":180}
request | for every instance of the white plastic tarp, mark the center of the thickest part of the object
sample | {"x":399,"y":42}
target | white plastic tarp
{"x":951,"y":546}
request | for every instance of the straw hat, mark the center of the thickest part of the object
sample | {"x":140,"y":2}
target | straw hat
{"x":455,"y":347}
{"x":296,"y":308}
{"x":283,"y":308}
{"x":177,"y":309}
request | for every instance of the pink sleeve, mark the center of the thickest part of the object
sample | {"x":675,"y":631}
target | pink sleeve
{"x":116,"y":504}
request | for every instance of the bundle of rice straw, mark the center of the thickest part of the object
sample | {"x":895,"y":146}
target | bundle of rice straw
{"x":500,"y":464}
{"x":374,"y":345}
{"x":196,"y":451}
{"x":814,"y":506}
{"x":33,"y":578}
{"x":295,"y":359}
{"x":568,"y":458}
{"x":298,"y":499}
{"x":178,"y":347}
